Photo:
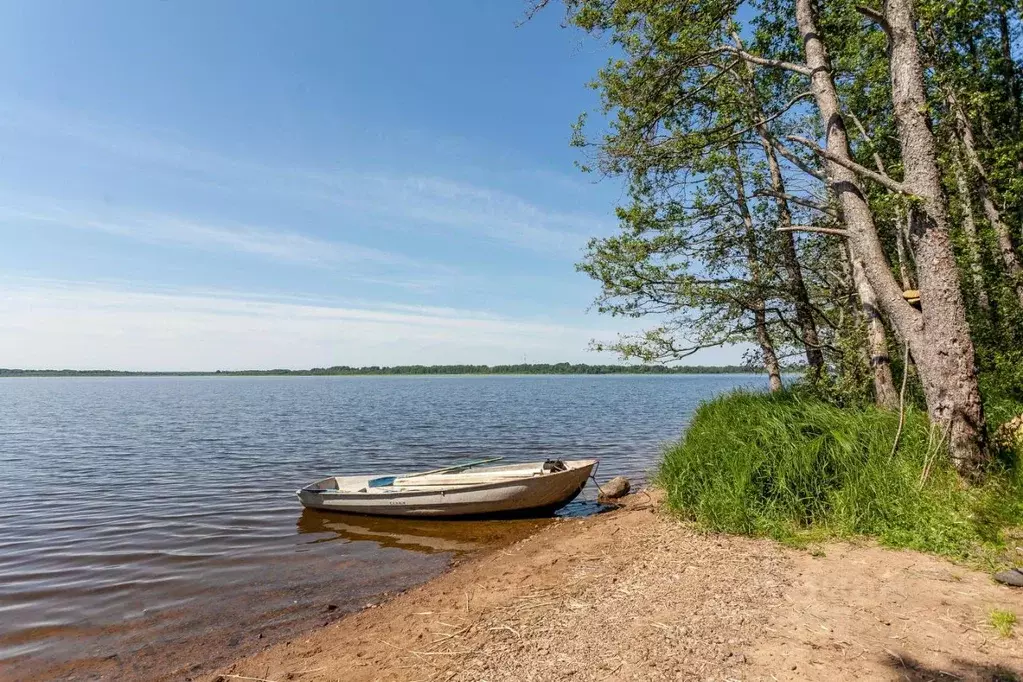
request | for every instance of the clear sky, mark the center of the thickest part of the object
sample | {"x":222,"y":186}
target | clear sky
{"x":213,"y":185}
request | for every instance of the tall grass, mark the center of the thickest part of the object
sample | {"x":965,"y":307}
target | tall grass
{"x":794,"y":467}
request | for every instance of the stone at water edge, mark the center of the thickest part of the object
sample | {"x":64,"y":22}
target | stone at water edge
{"x":615,"y":488}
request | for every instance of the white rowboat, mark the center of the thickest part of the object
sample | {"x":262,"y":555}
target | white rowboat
{"x":459,"y":491}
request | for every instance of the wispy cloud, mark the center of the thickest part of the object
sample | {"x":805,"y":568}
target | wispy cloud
{"x":397,"y":201}
{"x":366,"y":263}
{"x":49,"y":323}
{"x":166,"y":229}
{"x":445,"y":204}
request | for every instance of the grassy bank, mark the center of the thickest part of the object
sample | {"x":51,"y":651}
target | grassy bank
{"x":798,"y":468}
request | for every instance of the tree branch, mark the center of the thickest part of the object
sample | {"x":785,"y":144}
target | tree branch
{"x":767,"y":119}
{"x":810,"y":228}
{"x":882,"y":180}
{"x":763,"y":61}
{"x":795,"y":160}
{"x":802,"y":201}
{"x":534,"y":8}
{"x":870,"y":142}
{"x":686,"y":95}
{"x":876,"y":17}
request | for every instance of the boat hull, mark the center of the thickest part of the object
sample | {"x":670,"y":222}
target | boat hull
{"x":536,"y":495}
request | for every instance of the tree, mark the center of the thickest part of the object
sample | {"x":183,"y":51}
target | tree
{"x":967,"y":45}
{"x":938,"y":334}
{"x":646,"y":271}
{"x":686,"y":88}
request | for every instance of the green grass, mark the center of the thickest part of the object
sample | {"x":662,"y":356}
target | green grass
{"x":1003,"y":622}
{"x":802,"y":470}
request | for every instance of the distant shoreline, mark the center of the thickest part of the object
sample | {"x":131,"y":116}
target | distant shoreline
{"x":404,"y":370}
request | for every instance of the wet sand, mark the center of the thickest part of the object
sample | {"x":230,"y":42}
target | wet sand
{"x":634,"y":595}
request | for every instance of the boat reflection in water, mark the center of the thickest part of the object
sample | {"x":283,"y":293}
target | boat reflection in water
{"x":417,"y":534}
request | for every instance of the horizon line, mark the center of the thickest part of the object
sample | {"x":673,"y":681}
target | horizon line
{"x":406,"y":370}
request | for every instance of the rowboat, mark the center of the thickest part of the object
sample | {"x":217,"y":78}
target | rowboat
{"x":459,"y":490}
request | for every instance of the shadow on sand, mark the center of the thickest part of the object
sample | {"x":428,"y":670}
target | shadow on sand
{"x":908,"y":668}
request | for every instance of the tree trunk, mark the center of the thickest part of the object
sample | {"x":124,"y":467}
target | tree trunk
{"x":1010,"y":259}
{"x":970,"y":230}
{"x":793,"y":271}
{"x":900,"y":250}
{"x":789,"y":256}
{"x":880,"y":361}
{"x":767,"y":348}
{"x":938,"y":336}
{"x":946,"y":361}
{"x":900,"y":217}
{"x":771,"y":363}
{"x":1012,"y":87}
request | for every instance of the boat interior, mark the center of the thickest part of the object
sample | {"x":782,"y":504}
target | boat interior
{"x":453,"y":477}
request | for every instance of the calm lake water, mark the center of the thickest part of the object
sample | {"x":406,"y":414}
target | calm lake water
{"x":149,"y":525}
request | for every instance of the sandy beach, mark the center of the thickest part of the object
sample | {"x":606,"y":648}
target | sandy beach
{"x":635,"y":595}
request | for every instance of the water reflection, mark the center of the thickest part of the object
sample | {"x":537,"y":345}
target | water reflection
{"x":417,"y":535}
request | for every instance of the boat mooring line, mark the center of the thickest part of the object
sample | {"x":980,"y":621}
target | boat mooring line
{"x":593,"y":477}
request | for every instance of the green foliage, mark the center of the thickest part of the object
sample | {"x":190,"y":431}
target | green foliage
{"x":794,"y":467}
{"x":1001,"y":381}
{"x":698,"y":251}
{"x":1003,"y":621}
{"x":681,"y":102}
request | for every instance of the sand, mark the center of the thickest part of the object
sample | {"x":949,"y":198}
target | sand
{"x":636,"y":595}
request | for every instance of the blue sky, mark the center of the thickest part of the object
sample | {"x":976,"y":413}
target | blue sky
{"x":202,"y":185}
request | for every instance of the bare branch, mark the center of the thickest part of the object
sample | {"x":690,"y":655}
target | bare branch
{"x":764,"y":121}
{"x":811,"y":228}
{"x":876,"y":17}
{"x":882,"y":180}
{"x":763,"y":61}
{"x":795,"y":160}
{"x":863,"y":131}
{"x":534,"y":8}
{"x":802,"y":201}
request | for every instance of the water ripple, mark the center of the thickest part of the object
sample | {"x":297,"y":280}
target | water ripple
{"x":127,"y":498}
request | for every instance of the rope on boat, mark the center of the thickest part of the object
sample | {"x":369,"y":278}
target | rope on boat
{"x":593,"y":477}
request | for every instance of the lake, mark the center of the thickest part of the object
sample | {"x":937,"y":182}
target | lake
{"x":149,"y":525}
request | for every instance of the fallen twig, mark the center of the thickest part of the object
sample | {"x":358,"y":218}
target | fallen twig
{"x":506,"y":627}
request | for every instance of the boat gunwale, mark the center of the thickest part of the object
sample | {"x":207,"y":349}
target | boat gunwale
{"x":390,"y":491}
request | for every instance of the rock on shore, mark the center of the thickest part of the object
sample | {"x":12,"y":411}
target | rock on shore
{"x":615,"y":488}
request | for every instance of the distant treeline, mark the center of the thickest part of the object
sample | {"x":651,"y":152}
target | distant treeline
{"x":344,"y":370}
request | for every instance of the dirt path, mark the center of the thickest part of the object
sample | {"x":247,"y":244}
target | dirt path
{"x":632,"y":595}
